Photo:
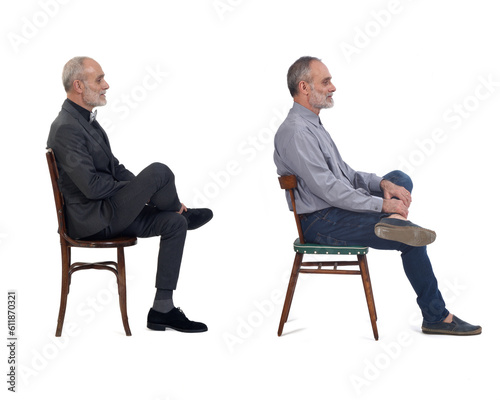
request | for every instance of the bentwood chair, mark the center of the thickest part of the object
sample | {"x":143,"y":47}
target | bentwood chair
{"x":289,"y":183}
{"x":118,"y":268}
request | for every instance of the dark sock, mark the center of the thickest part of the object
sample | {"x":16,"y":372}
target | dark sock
{"x":163,"y":301}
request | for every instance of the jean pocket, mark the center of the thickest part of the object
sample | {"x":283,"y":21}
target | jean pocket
{"x":307,"y":224}
{"x":328,"y":240}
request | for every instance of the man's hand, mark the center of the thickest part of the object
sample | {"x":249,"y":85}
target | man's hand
{"x":399,"y":192}
{"x":182,"y":209}
{"x":395,"y":206}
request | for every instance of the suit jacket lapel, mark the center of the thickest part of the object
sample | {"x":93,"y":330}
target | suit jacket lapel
{"x":102,"y":139}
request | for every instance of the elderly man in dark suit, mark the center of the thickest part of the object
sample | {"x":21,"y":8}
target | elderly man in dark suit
{"x":103,"y":199}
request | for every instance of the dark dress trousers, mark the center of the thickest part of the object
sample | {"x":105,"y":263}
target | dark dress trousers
{"x":103,"y":199}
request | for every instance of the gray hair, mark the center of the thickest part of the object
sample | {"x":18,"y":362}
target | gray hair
{"x":299,"y":71}
{"x":72,"y":71}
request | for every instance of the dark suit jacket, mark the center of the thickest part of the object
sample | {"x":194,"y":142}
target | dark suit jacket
{"x":88,"y":172}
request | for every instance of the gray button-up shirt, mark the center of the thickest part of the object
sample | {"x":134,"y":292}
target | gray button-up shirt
{"x":305,"y":149}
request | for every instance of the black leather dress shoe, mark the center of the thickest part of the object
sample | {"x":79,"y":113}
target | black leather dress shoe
{"x":197,"y":217}
{"x":174,"y":319}
{"x":455,"y":327}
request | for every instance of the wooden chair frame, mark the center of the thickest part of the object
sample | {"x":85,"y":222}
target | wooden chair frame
{"x":118,"y":267}
{"x":289,"y":183}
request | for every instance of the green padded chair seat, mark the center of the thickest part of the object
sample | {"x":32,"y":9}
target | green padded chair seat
{"x":313,"y":248}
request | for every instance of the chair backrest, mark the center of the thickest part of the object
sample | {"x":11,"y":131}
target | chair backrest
{"x":289,"y":183}
{"x":58,"y":198}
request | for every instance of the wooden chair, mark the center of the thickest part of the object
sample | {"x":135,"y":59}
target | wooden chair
{"x":118,"y":268}
{"x":301,"y":248}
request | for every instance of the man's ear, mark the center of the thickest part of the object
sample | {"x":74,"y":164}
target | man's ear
{"x":78,"y":86}
{"x":304,"y":87}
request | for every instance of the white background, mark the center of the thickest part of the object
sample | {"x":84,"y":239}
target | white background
{"x":411,"y":94}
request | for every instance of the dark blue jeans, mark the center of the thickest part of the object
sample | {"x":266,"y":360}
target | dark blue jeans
{"x":335,"y":226}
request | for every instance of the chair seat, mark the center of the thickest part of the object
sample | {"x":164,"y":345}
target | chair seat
{"x":313,"y":248}
{"x":123,"y":241}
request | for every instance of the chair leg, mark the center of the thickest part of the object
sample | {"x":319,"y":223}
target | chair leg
{"x":122,"y":289}
{"x":371,"y":288}
{"x":291,"y":289}
{"x":363,"y":266}
{"x":66,"y":260}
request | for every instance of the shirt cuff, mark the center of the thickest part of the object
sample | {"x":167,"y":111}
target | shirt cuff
{"x":377,"y":204}
{"x":374,"y":184}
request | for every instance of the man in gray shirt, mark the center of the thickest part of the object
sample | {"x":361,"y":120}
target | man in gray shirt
{"x":341,"y":206}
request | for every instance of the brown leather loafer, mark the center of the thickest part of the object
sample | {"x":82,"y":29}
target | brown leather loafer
{"x":404,"y":231}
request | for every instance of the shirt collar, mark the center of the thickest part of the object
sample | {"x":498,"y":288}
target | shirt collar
{"x":307,"y":114}
{"x":85,"y":113}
